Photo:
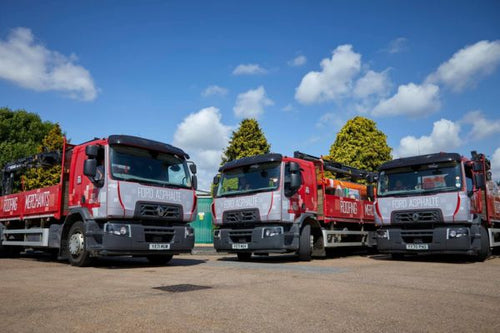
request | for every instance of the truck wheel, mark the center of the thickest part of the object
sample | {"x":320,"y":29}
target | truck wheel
{"x":485,"y":250}
{"x":244,"y":256}
{"x":77,"y":254}
{"x":305,"y":243}
{"x":161,"y":259}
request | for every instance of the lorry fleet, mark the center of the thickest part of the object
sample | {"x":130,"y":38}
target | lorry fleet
{"x":125,"y":195}
{"x":121,"y":195}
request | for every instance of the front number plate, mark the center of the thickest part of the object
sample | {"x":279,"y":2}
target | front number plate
{"x":159,"y":246}
{"x":240,"y":246}
{"x":417,"y":246}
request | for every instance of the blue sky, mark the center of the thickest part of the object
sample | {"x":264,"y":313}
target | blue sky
{"x":187,"y":72}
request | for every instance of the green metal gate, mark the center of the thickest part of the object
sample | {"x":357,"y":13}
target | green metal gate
{"x":203,"y":223}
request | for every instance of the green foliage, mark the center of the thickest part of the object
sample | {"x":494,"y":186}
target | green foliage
{"x":24,"y":134}
{"x":20,"y":134}
{"x":42,"y":177}
{"x":361,"y":145}
{"x":248,"y":140}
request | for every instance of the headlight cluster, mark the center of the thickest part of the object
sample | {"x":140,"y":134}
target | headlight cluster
{"x":383,"y":233}
{"x":118,"y":229}
{"x":188,"y":232}
{"x":456,"y":232}
{"x":217,"y":234}
{"x":271,"y":231}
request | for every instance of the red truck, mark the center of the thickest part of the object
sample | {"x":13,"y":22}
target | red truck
{"x":276,"y":204}
{"x":438,"y":203}
{"x":121,"y":195}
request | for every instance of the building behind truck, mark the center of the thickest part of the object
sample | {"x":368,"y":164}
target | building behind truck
{"x":121,"y":195}
{"x":438,"y":203}
{"x":277,"y":204}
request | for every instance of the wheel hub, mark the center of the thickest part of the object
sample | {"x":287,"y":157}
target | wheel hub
{"x":76,"y":244}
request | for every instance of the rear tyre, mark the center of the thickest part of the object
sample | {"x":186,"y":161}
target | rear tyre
{"x":77,"y":252}
{"x":305,"y":243}
{"x":244,"y":256}
{"x":159,"y":259}
{"x":485,"y":250}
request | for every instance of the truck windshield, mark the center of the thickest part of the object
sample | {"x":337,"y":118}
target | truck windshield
{"x":420,"y":179}
{"x":250,"y":178}
{"x":146,"y":166}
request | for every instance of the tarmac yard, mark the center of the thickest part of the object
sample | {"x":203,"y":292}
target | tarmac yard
{"x":217,"y":293}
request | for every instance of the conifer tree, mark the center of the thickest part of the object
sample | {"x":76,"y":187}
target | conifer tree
{"x":248,"y":140}
{"x":361,"y":145}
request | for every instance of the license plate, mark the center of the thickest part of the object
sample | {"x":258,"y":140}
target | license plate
{"x":240,"y":246}
{"x":159,"y":246}
{"x":417,"y":246}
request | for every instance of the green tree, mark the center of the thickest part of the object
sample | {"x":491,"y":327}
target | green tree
{"x":361,"y":145}
{"x":46,"y":176}
{"x":20,"y":134}
{"x":248,"y":140}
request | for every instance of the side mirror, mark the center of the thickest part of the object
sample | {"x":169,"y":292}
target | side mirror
{"x":479,"y":181}
{"x":216,"y":180}
{"x":295,"y":181}
{"x":192,"y":168}
{"x":194,"y":181}
{"x":370,"y":191}
{"x":294,"y":167}
{"x":91,"y":151}
{"x":90,"y":168}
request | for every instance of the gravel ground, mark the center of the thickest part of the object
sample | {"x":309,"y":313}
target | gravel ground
{"x":268,"y":294}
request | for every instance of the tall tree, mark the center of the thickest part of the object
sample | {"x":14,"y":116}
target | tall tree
{"x":248,"y":140}
{"x":361,"y":145}
{"x":21,"y":132}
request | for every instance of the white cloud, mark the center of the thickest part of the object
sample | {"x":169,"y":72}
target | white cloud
{"x":31,"y":65}
{"x":249,"y":69}
{"x":203,"y":136}
{"x":251,"y":104}
{"x":397,"y":45}
{"x":288,"y":108}
{"x":334,"y":81}
{"x":481,"y":127}
{"x":330,"y":121}
{"x":495,"y":164}
{"x":214,"y":90}
{"x":297,"y":61}
{"x":467,"y":66}
{"x":372,"y":83}
{"x":411,"y":100}
{"x":444,"y":137}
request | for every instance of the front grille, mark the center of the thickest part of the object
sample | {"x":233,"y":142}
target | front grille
{"x":417,"y":216}
{"x":158,"y":235}
{"x":241,"y":216}
{"x":158,"y":211}
{"x":417,"y":236}
{"x":240,"y":236}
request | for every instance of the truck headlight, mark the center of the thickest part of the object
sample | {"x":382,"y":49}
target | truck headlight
{"x":118,"y":229}
{"x":383,"y":233}
{"x":217,"y":234}
{"x":456,"y":232}
{"x":271,"y":231}
{"x":188,"y":232}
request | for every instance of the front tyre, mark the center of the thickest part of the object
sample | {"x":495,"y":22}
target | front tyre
{"x":485,"y":250}
{"x":159,"y":259}
{"x":77,"y":253}
{"x":304,"y":251}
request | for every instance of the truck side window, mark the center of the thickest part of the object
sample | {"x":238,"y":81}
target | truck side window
{"x":468,"y":180}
